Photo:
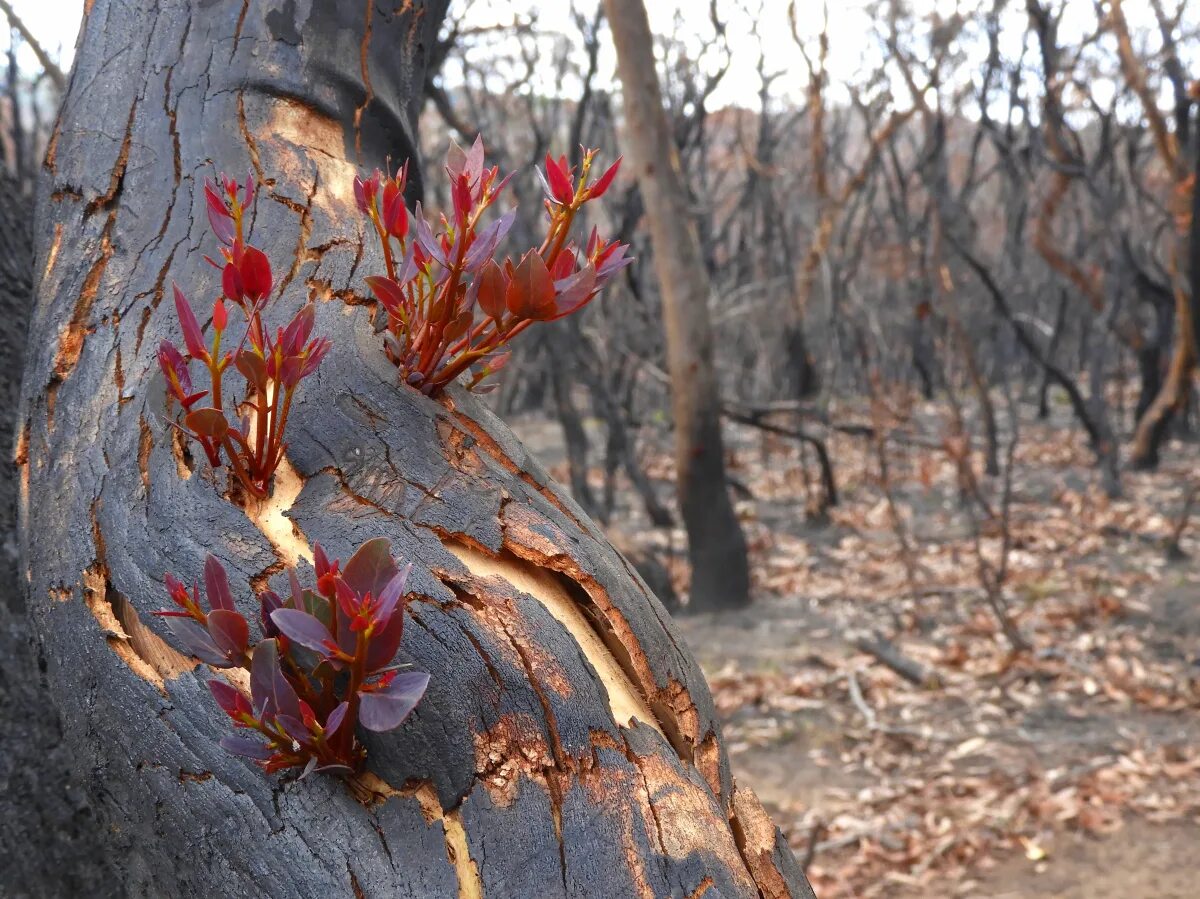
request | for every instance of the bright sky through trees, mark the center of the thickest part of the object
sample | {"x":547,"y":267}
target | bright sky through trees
{"x":855,"y":45}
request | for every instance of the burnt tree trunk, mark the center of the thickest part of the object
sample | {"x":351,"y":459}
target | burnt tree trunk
{"x":568,"y":744}
{"x":716,"y":545}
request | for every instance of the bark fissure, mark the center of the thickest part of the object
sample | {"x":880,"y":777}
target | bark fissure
{"x":668,"y":715}
{"x":145,"y":653}
{"x":248,"y":137}
{"x":365,"y":69}
{"x":306,"y":225}
{"x":370,"y":790}
{"x":283,"y":534}
{"x":625,"y":703}
{"x":487,"y":444}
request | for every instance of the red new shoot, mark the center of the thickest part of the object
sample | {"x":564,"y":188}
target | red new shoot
{"x":324,"y":665}
{"x":272,"y":367}
{"x":451,"y":307}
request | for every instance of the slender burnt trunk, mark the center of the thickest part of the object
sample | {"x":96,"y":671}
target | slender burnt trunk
{"x":1060,"y":320}
{"x":567,"y":745}
{"x":575,"y":438}
{"x":716,"y":545}
{"x":1173,"y":396}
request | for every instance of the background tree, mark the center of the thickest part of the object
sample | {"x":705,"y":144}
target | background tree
{"x":716,"y":546}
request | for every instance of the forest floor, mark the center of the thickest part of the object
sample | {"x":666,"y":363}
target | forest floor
{"x":1068,"y":769}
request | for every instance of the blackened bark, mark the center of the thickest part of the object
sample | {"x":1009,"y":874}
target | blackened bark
{"x":1091,"y":415}
{"x":1060,"y":320}
{"x":562,"y":375}
{"x":45,"y":821}
{"x":568,"y":744}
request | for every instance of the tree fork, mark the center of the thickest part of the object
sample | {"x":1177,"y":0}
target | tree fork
{"x":568,"y":744}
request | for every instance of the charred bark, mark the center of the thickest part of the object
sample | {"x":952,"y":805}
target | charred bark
{"x":42,"y":809}
{"x":568,"y":744}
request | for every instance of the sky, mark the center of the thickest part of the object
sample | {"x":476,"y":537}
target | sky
{"x":852,"y":48}
{"x":56,"y":24}
{"x":848,"y":23}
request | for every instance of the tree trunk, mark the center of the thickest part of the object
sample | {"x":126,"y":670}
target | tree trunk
{"x":1060,"y":321}
{"x":568,"y":744}
{"x":575,"y":438}
{"x":716,"y":545}
{"x":41,"y":809}
{"x":1172,"y":398}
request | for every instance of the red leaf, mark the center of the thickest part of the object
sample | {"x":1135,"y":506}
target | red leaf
{"x":191,"y":328}
{"x":559,"y":179}
{"x":386,"y":709}
{"x":314,"y":354}
{"x":575,"y":291}
{"x":256,"y":273}
{"x":253,"y":368}
{"x":218,"y":216}
{"x":371,"y":568}
{"x":364,"y":194}
{"x":564,"y":265}
{"x":491,"y":290}
{"x":230,"y":632}
{"x":175,"y":368}
{"x":197,"y":642}
{"x":304,"y":629}
{"x":456,"y":159}
{"x":231,"y":283}
{"x":208,"y":422}
{"x":395,"y":215}
{"x":216,"y":585}
{"x":296,"y":334}
{"x":530,"y":294}
{"x":473,"y":165}
{"x":459,"y":326}
{"x":335,"y":719}
{"x":497,"y":363}
{"x":229,"y":699}
{"x":460,"y":195}
{"x":321,"y":562}
{"x":598,"y":189}
{"x":387,"y":292}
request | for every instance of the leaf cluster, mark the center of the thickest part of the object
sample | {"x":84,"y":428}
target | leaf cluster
{"x":324,"y":665}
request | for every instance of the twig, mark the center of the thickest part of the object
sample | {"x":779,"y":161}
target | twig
{"x":48,"y":64}
{"x":856,"y":696}
{"x":865,"y":833}
{"x":810,"y":850}
{"x":890,"y":655}
{"x":755,"y":420}
{"x":1174,"y":551}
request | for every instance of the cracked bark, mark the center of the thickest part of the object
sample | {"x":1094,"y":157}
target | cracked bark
{"x":568,"y":744}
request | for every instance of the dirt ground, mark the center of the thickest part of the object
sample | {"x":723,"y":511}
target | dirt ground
{"x":1143,"y":860}
{"x":1070,"y":769}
